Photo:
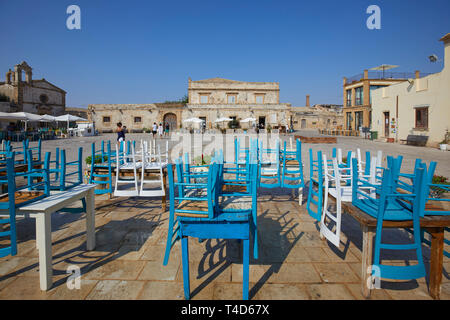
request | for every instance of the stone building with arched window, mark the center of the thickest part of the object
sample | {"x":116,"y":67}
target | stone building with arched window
{"x":23,"y":93}
{"x":209,"y":100}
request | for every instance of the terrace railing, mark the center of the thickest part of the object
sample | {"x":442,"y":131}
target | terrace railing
{"x":386,"y":75}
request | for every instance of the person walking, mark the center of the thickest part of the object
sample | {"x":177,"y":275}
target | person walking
{"x":154,"y":129}
{"x":160,"y":130}
{"x":120,"y":133}
{"x":166,"y":132}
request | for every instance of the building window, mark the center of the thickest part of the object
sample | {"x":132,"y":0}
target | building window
{"x":137,"y":119}
{"x":349,"y":97}
{"x":231,"y":98}
{"x":106,"y":119}
{"x":43,"y":98}
{"x":348,"y":120}
{"x":204,"y":98}
{"x":422,"y":118}
{"x":359,"y":95}
{"x":358,"y":120}
{"x":259,"y":98}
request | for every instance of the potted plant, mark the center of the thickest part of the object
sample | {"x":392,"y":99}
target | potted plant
{"x":98,"y":159}
{"x":444,"y":143}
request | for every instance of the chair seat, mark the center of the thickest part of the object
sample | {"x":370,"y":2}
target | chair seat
{"x":292,"y":162}
{"x":22,"y":196}
{"x":154,"y":165}
{"x":395,"y":210}
{"x":235,"y":203}
{"x":269,"y":171}
{"x":346,"y":194}
{"x":193,"y":206}
{"x":130,"y":165}
{"x":233,"y":188}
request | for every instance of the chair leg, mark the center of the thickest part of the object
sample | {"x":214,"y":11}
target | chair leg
{"x":168,"y":243}
{"x":84,"y":204}
{"x":245,"y":266}
{"x":185,"y":258}
{"x":254,"y":232}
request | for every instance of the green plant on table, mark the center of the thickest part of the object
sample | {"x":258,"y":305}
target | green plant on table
{"x":98,"y":159}
{"x":438,"y":191}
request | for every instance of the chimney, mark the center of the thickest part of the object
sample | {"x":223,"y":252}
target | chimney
{"x":417,"y":74}
{"x":307,"y":100}
{"x":446,"y":40}
{"x":366,"y":74}
{"x":8,"y":77}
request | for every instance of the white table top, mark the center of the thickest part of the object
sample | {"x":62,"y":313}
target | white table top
{"x":56,"y":201}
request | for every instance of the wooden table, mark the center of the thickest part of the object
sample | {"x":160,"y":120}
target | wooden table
{"x":433,"y":224}
{"x":42,"y":210}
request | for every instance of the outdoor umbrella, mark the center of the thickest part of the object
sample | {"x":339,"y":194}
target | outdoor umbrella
{"x":10,"y":116}
{"x":47,"y":118}
{"x":27,"y":116}
{"x":223,"y":119}
{"x":384,"y":67}
{"x":68,"y":118}
{"x":193,"y":120}
{"x":248,"y":120}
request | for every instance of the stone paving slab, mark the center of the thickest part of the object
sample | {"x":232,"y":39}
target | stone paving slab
{"x":294,"y":262}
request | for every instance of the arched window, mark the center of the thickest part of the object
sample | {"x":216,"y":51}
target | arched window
{"x":43,"y":98}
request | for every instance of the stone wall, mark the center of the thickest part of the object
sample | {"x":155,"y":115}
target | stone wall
{"x":218,"y":89}
{"x":137,"y":117}
{"x":316,"y":118}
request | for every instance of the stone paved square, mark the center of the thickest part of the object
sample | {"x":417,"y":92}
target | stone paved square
{"x":294,"y":263}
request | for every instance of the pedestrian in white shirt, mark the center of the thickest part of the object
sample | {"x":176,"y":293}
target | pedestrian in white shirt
{"x":160,"y":130}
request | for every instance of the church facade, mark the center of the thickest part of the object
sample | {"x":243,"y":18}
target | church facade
{"x":29,"y":95}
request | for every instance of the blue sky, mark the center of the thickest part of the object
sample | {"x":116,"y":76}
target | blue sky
{"x":144,"y":51}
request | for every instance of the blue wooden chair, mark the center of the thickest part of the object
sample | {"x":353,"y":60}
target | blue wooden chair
{"x":292,"y":169}
{"x":435,"y":204}
{"x":19,"y":151}
{"x":240,"y":152}
{"x":270,"y":167}
{"x":20,"y":196}
{"x":36,"y":151}
{"x":199,"y":213}
{"x":63,"y":172}
{"x":104,"y":164}
{"x":395,"y":201}
{"x":315,"y":198}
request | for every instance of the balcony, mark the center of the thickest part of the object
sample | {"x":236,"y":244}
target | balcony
{"x":386,"y":75}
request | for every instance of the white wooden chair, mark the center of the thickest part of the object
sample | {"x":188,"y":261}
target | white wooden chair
{"x":362,"y":164}
{"x":164,"y":153}
{"x":126,"y":162}
{"x":156,"y":168}
{"x":338,"y":184}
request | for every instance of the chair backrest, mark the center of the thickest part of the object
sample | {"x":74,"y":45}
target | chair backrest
{"x":65,"y":174}
{"x":125,"y":155}
{"x":212,"y":186}
{"x":37,"y":151}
